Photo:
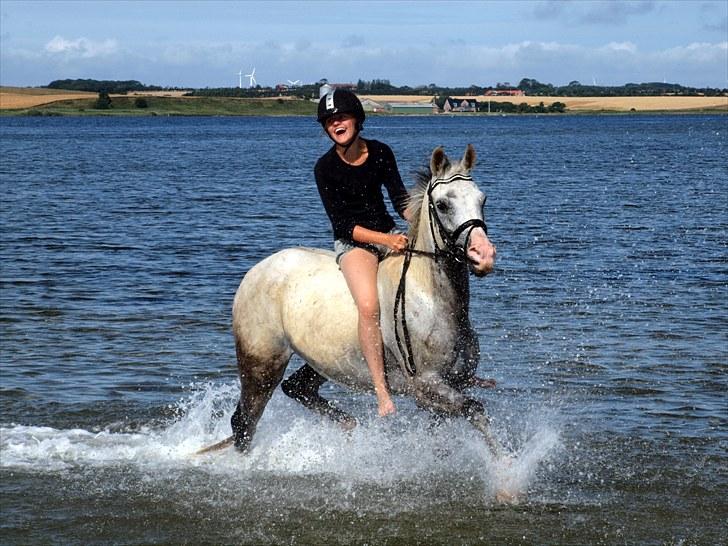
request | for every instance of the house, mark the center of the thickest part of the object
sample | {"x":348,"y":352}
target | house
{"x":370,"y":105}
{"x":460,"y":105}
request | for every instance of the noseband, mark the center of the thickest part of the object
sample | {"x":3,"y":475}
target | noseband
{"x":449,"y":250}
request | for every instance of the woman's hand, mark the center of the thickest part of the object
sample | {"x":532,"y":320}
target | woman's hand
{"x":397,"y":241}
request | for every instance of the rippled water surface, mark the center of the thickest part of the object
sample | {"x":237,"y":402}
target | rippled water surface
{"x":606,"y":325}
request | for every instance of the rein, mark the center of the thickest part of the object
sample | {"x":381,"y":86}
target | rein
{"x":404,"y":343}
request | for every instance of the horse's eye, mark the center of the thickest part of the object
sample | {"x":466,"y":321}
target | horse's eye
{"x":442,"y":206}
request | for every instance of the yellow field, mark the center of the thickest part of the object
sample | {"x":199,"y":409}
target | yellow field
{"x":576,"y":104}
{"x":177,"y":94}
{"x":625,"y":104}
{"x":20,"y":97}
{"x":27,"y":97}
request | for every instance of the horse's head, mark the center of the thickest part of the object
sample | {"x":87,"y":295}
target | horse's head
{"x":455,"y":207}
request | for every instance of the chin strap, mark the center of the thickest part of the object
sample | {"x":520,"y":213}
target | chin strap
{"x":346,"y":146}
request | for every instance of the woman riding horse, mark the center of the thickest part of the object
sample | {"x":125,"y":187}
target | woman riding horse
{"x":349,"y":178}
{"x":297,"y":301}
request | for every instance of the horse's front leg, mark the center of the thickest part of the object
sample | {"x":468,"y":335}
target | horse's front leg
{"x":463,"y":374}
{"x":435,"y":394}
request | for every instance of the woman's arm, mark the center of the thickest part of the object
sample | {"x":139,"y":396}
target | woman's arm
{"x":398,"y":194}
{"x":395,"y":241}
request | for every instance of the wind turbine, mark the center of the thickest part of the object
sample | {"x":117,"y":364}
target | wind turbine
{"x":252,"y":77}
{"x":240,"y":79}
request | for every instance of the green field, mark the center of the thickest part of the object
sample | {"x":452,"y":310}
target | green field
{"x":234,"y":106}
{"x":172,"y":106}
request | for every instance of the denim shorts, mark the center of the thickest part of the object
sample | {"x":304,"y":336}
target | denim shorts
{"x":342,"y":246}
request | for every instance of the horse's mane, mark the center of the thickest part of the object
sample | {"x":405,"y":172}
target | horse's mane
{"x":417,"y":194}
{"x":417,"y":197}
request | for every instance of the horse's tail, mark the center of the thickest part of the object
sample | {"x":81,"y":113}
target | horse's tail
{"x":216,"y":447}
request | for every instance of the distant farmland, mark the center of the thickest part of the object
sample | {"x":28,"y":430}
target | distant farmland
{"x":173,"y":102}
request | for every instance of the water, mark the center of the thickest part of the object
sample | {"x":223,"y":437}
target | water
{"x":605,"y":324}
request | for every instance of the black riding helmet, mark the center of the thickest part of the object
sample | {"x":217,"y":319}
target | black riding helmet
{"x":340,"y":101}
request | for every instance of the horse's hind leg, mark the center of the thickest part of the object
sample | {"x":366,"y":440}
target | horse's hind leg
{"x":258,"y":379}
{"x":303,"y":386}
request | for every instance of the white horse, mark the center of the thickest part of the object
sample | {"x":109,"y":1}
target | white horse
{"x":297,"y":301}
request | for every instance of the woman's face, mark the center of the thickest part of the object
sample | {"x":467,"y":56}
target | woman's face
{"x":341,"y":128}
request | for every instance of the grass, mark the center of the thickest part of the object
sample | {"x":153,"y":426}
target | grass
{"x":172,"y":106}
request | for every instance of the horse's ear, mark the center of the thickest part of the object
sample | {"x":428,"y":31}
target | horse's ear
{"x":469,"y":157}
{"x":439,"y":161}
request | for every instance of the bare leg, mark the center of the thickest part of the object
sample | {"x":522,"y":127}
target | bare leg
{"x":360,"y":271}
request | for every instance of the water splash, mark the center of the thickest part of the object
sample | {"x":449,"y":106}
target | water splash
{"x":511,"y":476}
{"x":290,"y":442}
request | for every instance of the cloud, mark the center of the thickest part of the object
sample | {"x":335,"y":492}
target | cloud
{"x":602,"y":12}
{"x":625,"y":47}
{"x":720,"y":26}
{"x":549,"y":9}
{"x":213,"y":64}
{"x":354,"y":40}
{"x":81,"y":47}
{"x":613,"y":63}
{"x":197,"y":53}
{"x":697,"y":52}
{"x":613,"y":12}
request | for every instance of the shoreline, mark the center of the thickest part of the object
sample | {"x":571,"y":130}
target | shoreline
{"x":42,"y":101}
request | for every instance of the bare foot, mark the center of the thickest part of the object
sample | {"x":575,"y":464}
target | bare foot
{"x":386,"y":407}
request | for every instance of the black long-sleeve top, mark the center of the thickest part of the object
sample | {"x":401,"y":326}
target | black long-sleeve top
{"x":352,"y":194}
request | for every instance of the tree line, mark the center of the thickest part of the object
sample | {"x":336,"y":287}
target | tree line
{"x":576,"y":89}
{"x":529,"y":86}
{"x":522,"y":108}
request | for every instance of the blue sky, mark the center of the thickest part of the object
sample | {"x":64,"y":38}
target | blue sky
{"x":205,"y":44}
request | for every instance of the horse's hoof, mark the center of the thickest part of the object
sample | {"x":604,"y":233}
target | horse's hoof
{"x":348,"y":424}
{"x":503,"y":496}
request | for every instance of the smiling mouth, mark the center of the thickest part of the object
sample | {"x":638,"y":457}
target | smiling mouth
{"x":340,"y":131}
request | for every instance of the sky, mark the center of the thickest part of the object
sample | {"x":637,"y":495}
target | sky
{"x":449,"y":43}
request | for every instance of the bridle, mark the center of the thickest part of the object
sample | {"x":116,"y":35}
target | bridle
{"x":449,"y":250}
{"x":450,"y":239}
